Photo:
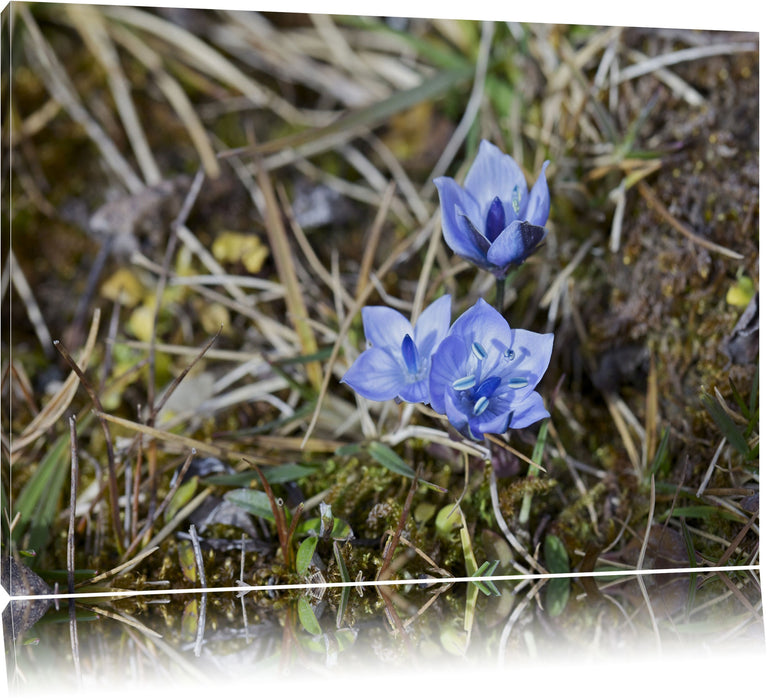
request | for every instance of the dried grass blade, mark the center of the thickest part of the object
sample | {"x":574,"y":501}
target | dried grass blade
{"x":206,"y":58}
{"x":61,"y":88}
{"x":269,"y":442}
{"x":89,"y":23}
{"x":390,"y":262}
{"x":284,"y":260}
{"x":366,"y":117}
{"x":622,"y":429}
{"x":118,"y":569}
{"x":175,"y":95}
{"x":373,"y":238}
{"x":691,"y":54}
{"x":317,"y":266}
{"x":652,"y":417}
{"x":61,"y":400}
{"x":31,"y":305}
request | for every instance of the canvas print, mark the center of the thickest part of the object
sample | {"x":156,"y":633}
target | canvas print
{"x":344,"y":342}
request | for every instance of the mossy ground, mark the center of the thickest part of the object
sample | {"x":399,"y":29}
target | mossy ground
{"x":643,"y":296}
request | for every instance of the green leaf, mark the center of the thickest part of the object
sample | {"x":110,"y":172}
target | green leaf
{"x":533,"y":471}
{"x":340,"y":531}
{"x":181,"y":497}
{"x":555,"y":555}
{"x":187,"y":561}
{"x":348,"y":450}
{"x":660,"y":453}
{"x":307,"y":617}
{"x":274,"y":475}
{"x":487,"y":587}
{"x":726,"y":425}
{"x":254,"y":502}
{"x":387,"y":458}
{"x":704,"y":512}
{"x":304,"y":555}
{"x":557,"y":596}
{"x":383,"y":454}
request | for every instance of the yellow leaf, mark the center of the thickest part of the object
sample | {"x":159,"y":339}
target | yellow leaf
{"x":141,"y":323}
{"x":245,"y":248}
{"x":741,"y":293}
{"x":124,"y":286}
{"x":213,"y":317}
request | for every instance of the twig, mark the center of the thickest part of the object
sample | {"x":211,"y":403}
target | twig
{"x":399,"y":527}
{"x":71,"y":517}
{"x":113,"y":487}
{"x":737,"y":539}
{"x":198,"y":554}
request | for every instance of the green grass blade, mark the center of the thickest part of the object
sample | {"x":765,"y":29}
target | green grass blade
{"x":727,"y":427}
{"x":387,"y":458}
{"x":38,"y":502}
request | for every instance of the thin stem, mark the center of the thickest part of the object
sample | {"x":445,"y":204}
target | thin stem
{"x":113,"y":488}
{"x":500,"y":288}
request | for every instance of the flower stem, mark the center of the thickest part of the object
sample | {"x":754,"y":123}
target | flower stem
{"x":500,"y":287}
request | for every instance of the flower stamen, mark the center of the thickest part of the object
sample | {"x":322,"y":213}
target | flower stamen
{"x":480,"y":406}
{"x":465,"y":383}
{"x":518,"y":382}
{"x":479,"y":351}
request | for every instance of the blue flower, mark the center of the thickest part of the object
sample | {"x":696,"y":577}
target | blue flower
{"x":492,"y":220}
{"x":397,"y":363}
{"x":483,"y":374}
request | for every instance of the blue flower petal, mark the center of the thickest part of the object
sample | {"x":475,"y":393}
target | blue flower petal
{"x":376,"y":375}
{"x":532,"y":355}
{"x":494,"y":174}
{"x":416,"y":392}
{"x":462,"y":223}
{"x":483,"y":373}
{"x":516,"y":242}
{"x":432,"y":325}
{"x":538,"y":209}
{"x":489,"y":422}
{"x":484,"y":325}
{"x":531,"y":410}
{"x":446,"y":368}
{"x":458,"y":418}
{"x":385,"y":327}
